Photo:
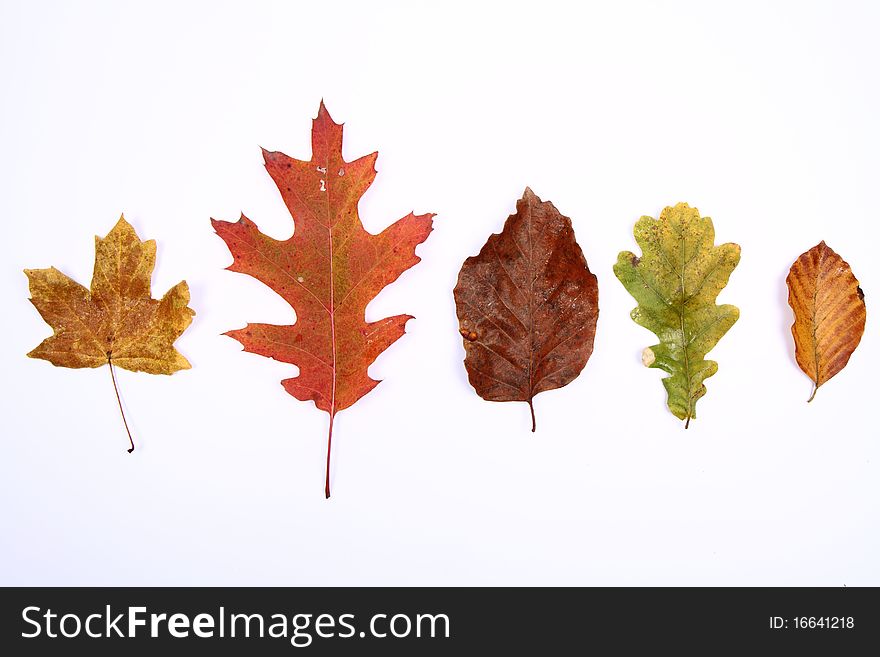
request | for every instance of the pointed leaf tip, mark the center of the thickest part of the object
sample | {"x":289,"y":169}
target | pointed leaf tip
{"x":324,"y":115}
{"x":121,"y":222}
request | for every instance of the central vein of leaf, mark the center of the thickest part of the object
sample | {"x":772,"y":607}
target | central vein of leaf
{"x":814,"y":326}
{"x":684,"y":340}
{"x":332,"y":297}
{"x":326,"y":189}
{"x":531,"y":319}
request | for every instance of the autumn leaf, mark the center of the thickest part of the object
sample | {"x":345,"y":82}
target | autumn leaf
{"x":116,"y":322}
{"x":676,"y":281}
{"x":328,"y":271}
{"x":829,"y":313}
{"x":527,"y":306}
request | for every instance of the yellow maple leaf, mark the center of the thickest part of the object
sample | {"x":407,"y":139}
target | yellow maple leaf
{"x":116,"y":322}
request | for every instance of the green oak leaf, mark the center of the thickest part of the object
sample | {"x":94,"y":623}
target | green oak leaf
{"x":676,"y":282}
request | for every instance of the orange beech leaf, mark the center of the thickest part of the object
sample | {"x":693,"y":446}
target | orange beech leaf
{"x":829,"y":313}
{"x":328,"y":271}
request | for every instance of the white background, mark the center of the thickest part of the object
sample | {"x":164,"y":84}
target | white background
{"x":763,"y":115}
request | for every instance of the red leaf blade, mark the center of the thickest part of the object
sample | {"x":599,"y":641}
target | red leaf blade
{"x":328,"y":271}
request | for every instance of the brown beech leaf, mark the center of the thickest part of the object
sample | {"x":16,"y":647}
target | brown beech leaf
{"x":527,"y":306}
{"x":829,"y":313}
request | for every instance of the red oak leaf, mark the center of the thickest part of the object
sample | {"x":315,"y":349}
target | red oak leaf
{"x":328,"y":271}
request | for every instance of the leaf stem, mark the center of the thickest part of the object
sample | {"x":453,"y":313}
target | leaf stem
{"x":532,"y":410}
{"x":119,"y":401}
{"x":687,"y":421}
{"x":813,"y":396}
{"x":329,"y":443}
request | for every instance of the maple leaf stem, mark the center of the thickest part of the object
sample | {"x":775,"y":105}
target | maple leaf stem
{"x":687,"y":422}
{"x":532,"y":411}
{"x":329,"y":443}
{"x":119,"y":401}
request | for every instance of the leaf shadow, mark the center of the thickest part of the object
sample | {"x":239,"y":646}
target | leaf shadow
{"x":786,"y":317}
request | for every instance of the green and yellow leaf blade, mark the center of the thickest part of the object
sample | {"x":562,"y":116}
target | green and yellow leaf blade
{"x":676,"y":281}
